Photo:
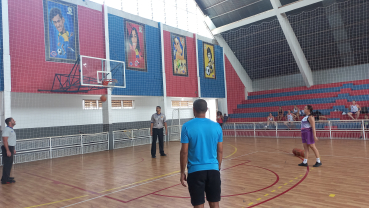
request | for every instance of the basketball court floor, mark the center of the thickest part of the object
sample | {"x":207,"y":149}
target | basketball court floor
{"x":256,"y":172}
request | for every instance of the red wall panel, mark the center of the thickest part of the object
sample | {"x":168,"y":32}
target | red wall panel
{"x":180,"y":86}
{"x":235,"y":87}
{"x":29,"y":70}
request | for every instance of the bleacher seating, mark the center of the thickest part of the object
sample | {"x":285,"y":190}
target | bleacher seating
{"x":330,"y":99}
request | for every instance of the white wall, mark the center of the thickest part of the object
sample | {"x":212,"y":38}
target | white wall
{"x":144,"y":107}
{"x":343,"y":74}
{"x":186,"y":113}
{"x":32,"y":110}
{"x":47,"y":110}
{"x":212,"y":109}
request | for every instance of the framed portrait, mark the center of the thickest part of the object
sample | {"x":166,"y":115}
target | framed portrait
{"x":135,"y":44}
{"x":179,"y":55}
{"x":61,"y":31}
{"x":209,"y":61}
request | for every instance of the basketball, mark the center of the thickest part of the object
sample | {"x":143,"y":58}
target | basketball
{"x":103,"y":98}
{"x":294,"y":151}
{"x":298,"y":152}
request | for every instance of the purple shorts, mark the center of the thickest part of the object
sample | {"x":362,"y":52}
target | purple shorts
{"x":353,"y":113}
{"x":307,"y":136}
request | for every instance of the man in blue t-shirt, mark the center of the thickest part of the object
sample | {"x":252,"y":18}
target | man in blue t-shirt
{"x":202,"y":151}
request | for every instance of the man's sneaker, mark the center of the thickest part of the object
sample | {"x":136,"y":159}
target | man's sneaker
{"x":153,"y":156}
{"x":303,"y":164}
{"x":317,"y":164}
{"x":163,"y":155}
{"x":11,"y":178}
{"x":8,"y":182}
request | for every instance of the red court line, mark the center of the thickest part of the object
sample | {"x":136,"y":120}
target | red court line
{"x":307,"y":172}
{"x":276,"y":181}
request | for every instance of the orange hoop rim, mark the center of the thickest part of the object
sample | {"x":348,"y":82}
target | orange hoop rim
{"x":106,"y":82}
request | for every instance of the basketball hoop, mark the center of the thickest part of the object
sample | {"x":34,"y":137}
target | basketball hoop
{"x":109,"y":82}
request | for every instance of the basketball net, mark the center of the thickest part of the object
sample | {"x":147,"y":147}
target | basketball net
{"x":109,"y":82}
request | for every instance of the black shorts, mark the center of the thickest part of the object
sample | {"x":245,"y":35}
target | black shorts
{"x":201,"y":182}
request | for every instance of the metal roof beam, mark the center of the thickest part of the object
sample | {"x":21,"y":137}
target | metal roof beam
{"x":267,"y":14}
{"x":294,"y":44}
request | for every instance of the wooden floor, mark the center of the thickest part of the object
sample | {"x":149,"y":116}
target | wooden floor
{"x":259,"y":172}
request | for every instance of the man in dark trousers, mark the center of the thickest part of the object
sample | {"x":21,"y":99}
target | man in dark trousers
{"x":8,"y":150}
{"x":202,"y":152}
{"x":158,"y":121}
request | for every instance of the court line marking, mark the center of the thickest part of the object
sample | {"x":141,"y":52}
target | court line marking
{"x":235,"y":150}
{"x":276,"y":181}
{"x":143,"y":184}
{"x":306,"y":174}
{"x":121,"y":190}
{"x":57,"y":201}
{"x":345,"y":157}
{"x":167,"y":175}
{"x":140,"y":181}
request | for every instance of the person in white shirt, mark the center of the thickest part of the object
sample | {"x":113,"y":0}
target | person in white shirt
{"x":290,"y":118}
{"x":355,"y":110}
{"x":270,"y":119}
{"x":8,"y":150}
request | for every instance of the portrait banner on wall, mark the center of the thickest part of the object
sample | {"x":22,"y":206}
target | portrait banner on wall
{"x":135,"y":45}
{"x":61,"y":31}
{"x":209,"y":60}
{"x":179,"y":55}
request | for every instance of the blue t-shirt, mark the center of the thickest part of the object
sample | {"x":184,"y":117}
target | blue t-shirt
{"x":202,"y":136}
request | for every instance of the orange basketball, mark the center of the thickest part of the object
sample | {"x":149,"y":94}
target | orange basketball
{"x":294,"y":151}
{"x":302,"y":153}
{"x":103,"y":98}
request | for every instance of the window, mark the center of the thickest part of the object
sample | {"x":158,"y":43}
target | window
{"x":122,"y":104}
{"x":91,"y":104}
{"x":182,"y":104}
{"x":115,"y":104}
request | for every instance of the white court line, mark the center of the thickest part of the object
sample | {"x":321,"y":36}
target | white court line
{"x":345,"y":157}
{"x":119,"y":190}
{"x":285,"y":153}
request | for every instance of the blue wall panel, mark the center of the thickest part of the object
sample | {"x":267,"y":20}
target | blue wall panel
{"x":138,"y":83}
{"x":212,"y":88}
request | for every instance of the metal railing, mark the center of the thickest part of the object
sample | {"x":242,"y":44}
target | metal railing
{"x":136,"y":137}
{"x":34,"y":149}
{"x":326,"y":129}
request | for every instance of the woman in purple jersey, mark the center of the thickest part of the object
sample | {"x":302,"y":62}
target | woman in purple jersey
{"x":308,"y":135}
